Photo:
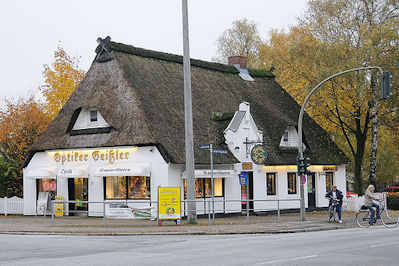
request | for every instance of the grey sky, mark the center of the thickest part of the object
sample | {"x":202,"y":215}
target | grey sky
{"x":30,"y":30}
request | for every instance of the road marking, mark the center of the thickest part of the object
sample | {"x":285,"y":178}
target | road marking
{"x":384,"y":244}
{"x":286,"y":260}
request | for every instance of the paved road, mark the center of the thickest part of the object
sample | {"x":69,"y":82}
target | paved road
{"x":372,"y":246}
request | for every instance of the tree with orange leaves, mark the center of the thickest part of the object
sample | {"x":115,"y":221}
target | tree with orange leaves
{"x":61,"y":79}
{"x":21,"y":123}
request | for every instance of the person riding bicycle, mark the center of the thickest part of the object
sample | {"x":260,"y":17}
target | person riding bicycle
{"x":368,"y":202}
{"x":337,"y":195}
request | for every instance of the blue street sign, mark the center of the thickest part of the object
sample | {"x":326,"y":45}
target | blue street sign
{"x":204,"y":146}
{"x":243,"y":178}
{"x":220,"y":151}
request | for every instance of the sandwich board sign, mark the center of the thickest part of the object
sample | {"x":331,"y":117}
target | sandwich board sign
{"x":169,"y":204}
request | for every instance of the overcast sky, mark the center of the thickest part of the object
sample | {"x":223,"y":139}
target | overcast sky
{"x":30,"y":30}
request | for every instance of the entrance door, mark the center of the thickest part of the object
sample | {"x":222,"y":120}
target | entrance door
{"x":78,"y":191}
{"x":311,"y":191}
{"x":244,"y":193}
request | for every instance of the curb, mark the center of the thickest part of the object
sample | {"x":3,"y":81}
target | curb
{"x":288,"y":231}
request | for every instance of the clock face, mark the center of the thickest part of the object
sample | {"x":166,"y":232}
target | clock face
{"x":258,"y":154}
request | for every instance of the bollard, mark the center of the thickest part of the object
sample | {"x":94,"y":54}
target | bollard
{"x":278,"y":210}
{"x":209,"y":212}
{"x":5,"y":206}
{"x":105,"y":218}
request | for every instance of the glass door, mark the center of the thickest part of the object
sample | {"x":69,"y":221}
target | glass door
{"x":78,"y":191}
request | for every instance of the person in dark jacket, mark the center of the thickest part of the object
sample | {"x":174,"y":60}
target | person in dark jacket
{"x":337,"y":195}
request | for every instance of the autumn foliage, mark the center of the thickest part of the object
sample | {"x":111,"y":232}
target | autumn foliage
{"x":22,"y":121}
{"x":61,"y":79}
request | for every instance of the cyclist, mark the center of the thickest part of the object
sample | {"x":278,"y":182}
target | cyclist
{"x":368,"y":202}
{"x":336,"y":194}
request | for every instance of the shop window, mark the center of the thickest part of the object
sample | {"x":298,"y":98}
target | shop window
{"x":46,"y":185}
{"x":127,"y":187}
{"x":292,"y":187}
{"x":329,"y":180}
{"x":271,"y":184}
{"x":203,"y":187}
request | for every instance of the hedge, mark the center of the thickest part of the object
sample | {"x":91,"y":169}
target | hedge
{"x":393,"y":201}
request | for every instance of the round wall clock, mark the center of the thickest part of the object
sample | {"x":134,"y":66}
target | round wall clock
{"x":259,"y":154}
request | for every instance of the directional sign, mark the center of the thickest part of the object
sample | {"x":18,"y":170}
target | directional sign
{"x":219,"y":151}
{"x":204,"y":146}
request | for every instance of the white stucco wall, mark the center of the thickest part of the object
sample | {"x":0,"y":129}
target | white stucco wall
{"x":83,"y":120}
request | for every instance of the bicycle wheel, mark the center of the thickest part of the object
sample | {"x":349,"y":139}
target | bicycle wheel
{"x":330,"y":214}
{"x":363,"y":219}
{"x":388,"y":220}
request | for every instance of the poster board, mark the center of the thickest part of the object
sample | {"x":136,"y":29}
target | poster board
{"x":169,"y":203}
{"x":59,"y":206}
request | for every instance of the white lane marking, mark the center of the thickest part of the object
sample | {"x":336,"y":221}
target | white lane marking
{"x":384,"y":244}
{"x":286,"y":260}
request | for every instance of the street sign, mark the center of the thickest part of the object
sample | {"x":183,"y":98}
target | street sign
{"x":204,"y":146}
{"x":219,"y":151}
{"x":243,"y":178}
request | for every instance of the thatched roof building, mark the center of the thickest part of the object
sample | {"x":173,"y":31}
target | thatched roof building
{"x":140,"y":95}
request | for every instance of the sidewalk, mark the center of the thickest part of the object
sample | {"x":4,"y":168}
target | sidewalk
{"x":289,"y":223}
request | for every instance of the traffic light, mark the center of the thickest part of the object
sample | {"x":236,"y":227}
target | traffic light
{"x":306,"y":165}
{"x":303,"y":164}
{"x":385,"y":85}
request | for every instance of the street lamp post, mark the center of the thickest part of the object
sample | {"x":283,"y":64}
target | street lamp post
{"x":300,"y":118}
{"x":188,"y":120}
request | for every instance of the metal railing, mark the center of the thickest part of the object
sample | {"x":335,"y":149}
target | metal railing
{"x":211,"y":208}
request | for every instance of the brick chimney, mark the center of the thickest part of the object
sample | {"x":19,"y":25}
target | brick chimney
{"x":238,"y":60}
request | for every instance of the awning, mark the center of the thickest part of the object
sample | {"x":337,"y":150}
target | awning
{"x":39,"y":173}
{"x":124,"y":170}
{"x":207,"y":173}
{"x":73,"y":172}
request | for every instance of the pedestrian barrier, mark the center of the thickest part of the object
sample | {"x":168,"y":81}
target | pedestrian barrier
{"x":13,"y":205}
{"x":145,"y":209}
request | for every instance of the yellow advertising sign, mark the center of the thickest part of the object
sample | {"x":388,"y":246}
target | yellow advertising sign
{"x":169,"y":203}
{"x":59,"y":207}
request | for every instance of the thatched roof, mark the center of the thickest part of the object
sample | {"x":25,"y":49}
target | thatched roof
{"x":140,"y":94}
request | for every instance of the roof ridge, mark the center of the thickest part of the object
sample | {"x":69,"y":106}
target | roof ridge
{"x":130,"y":49}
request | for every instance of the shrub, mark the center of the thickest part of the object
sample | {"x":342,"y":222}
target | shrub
{"x":393,"y":201}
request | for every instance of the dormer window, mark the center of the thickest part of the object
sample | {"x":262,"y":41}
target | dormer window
{"x":93,"y":116}
{"x":285,"y":136}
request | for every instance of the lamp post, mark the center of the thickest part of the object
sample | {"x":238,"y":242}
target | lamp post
{"x":300,"y":118}
{"x":188,"y":121}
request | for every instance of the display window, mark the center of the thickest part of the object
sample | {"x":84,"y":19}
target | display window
{"x":271,"y":184}
{"x":46,"y":185}
{"x":292,"y":187}
{"x":127,"y":187}
{"x":329,"y":181}
{"x":203,"y":187}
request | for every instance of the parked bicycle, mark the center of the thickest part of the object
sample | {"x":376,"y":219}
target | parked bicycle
{"x":363,"y":217}
{"x":332,"y":211}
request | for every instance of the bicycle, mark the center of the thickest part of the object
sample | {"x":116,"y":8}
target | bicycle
{"x":363,"y":217}
{"x":332,"y":211}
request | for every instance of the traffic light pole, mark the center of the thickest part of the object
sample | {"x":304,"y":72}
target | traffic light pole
{"x":300,"y":118}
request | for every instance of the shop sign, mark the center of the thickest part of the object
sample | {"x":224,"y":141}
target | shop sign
{"x":332,"y":168}
{"x":216,"y":173}
{"x":106,"y":155}
{"x":247,"y":166}
{"x":169,"y":203}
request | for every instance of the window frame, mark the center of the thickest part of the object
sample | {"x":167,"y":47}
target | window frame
{"x":290,"y":174}
{"x":92,"y":117}
{"x":327,"y":174}
{"x":203,"y":188}
{"x":275,"y":184}
{"x":126,"y":188}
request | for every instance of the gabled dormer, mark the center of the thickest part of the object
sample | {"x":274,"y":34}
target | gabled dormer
{"x":88,"y":121}
{"x":289,"y":139}
{"x":242,"y":134}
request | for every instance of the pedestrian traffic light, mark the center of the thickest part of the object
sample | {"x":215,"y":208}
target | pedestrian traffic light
{"x":385,"y":85}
